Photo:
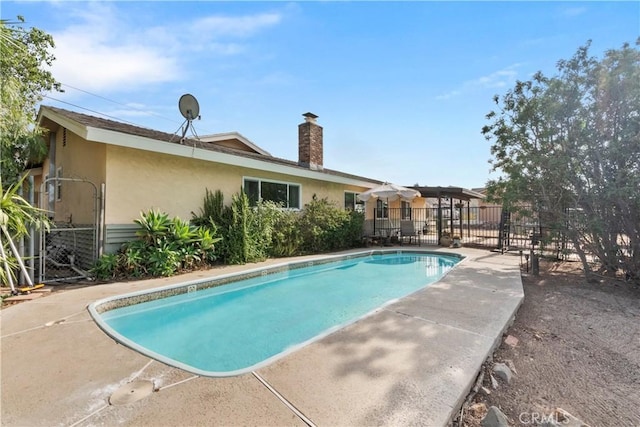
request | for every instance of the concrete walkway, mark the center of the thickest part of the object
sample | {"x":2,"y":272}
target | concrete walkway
{"x":411,"y":363}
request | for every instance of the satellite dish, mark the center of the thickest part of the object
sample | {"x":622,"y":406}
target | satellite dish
{"x":190,"y":110}
{"x":189,"y":107}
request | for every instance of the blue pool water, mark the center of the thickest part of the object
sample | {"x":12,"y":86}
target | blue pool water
{"x":235,"y":328}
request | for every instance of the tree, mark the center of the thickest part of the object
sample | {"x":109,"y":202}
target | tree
{"x":24,"y":79}
{"x":569,"y":146}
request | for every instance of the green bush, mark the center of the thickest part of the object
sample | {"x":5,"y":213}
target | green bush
{"x":286,"y":237}
{"x":164,"y":246}
{"x":234,"y":234}
{"x":132,"y":259}
{"x":326,"y":227}
{"x":106,"y":267}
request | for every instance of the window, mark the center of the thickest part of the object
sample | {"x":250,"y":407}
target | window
{"x":59,"y":184}
{"x":287,"y":195}
{"x":351,"y":202}
{"x":405,"y":210}
{"x":382,"y":209}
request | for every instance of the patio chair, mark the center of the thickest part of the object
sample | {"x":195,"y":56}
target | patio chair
{"x":368,"y":234}
{"x":408,"y":229}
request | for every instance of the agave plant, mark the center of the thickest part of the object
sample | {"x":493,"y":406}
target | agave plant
{"x":182,"y":232}
{"x":154,"y":227}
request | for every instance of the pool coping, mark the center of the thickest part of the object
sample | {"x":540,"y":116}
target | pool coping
{"x":59,"y":367}
{"x":99,"y":307}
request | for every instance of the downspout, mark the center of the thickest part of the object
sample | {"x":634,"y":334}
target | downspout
{"x":32,"y":232}
{"x":51,"y":183}
{"x":23,"y":273}
{"x":101,"y":224}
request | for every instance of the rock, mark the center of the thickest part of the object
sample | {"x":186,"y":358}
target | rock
{"x":494,"y":383}
{"x":494,"y":418}
{"x":477,"y":410}
{"x":502,"y":371}
{"x":510,"y":340}
{"x":485,"y":391}
{"x":511,"y":366}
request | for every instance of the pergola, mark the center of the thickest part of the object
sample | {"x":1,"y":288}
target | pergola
{"x":460,"y":194}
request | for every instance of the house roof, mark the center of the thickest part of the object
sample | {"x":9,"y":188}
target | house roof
{"x":221,"y":138}
{"x":112,"y":132}
{"x":458,"y":193}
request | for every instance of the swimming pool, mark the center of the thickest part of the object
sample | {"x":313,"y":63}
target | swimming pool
{"x":237,"y":323}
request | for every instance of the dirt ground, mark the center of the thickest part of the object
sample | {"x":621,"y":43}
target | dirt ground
{"x":578,"y":348}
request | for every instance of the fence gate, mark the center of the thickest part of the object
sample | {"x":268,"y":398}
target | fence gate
{"x":70,"y":248}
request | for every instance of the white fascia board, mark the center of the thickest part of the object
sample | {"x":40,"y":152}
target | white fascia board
{"x":63,"y":121}
{"x":142,"y":143}
{"x":237,"y":135}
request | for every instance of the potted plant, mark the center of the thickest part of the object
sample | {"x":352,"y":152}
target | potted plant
{"x":457,"y":241}
{"x":445,"y":239}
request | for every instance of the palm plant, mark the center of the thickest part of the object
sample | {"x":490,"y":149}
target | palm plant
{"x":17,"y":216}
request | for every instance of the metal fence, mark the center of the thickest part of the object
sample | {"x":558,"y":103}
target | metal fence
{"x":483,"y":227}
{"x":69,"y":249}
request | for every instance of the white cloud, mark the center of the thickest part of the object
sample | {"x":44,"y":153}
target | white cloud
{"x":574,"y":11}
{"x":102,"y":50}
{"x":237,"y":26}
{"x":497,"y":79}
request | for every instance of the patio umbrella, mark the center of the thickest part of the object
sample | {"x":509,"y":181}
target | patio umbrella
{"x":389,"y":192}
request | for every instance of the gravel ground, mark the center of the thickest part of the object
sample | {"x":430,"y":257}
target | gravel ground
{"x":578,"y":348}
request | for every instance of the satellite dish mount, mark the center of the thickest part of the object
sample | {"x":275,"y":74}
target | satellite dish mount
{"x":190,"y":110}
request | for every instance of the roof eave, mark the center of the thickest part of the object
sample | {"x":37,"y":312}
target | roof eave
{"x":148,"y":144}
{"x":63,"y":121}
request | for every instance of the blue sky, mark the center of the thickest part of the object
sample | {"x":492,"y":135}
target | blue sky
{"x":401,"y":88}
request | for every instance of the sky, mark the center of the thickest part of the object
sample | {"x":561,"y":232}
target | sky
{"x":401,"y":88}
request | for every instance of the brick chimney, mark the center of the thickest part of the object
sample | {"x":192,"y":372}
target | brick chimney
{"x":310,"y":142}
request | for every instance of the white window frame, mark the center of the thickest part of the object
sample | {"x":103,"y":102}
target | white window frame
{"x":58,"y":184}
{"x":358,"y":205}
{"x":382,"y":209}
{"x":405,"y":208}
{"x":275,"y":181}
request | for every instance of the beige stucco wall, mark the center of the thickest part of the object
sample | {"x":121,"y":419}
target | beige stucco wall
{"x":79,"y":159}
{"x":370,"y":206}
{"x":141,"y":180}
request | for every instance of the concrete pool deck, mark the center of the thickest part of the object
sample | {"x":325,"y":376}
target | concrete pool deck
{"x":411,"y":363}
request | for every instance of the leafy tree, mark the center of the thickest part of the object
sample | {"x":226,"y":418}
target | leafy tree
{"x":24,"y":79}
{"x":569,"y":146}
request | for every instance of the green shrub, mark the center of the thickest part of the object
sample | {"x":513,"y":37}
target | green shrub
{"x":286,"y":237}
{"x":164,"y":246}
{"x":234,"y":234}
{"x":212,"y":210}
{"x":106,"y":267}
{"x":132,"y":258}
{"x":324,"y":227}
{"x":162,"y":260}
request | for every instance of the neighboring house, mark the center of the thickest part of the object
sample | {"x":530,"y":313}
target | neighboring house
{"x":489,"y":214}
{"x":102,"y":173}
